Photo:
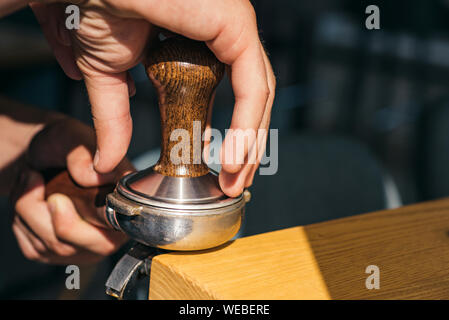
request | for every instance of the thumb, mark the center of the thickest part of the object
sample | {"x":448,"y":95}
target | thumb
{"x":71,"y":228}
{"x":109,"y":97}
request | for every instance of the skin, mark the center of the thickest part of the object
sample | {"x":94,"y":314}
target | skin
{"x":51,"y":230}
{"x":111,"y":40}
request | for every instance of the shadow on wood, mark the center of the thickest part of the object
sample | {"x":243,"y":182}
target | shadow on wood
{"x":410,"y":245}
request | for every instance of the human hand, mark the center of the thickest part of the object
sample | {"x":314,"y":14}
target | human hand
{"x":51,"y":230}
{"x":112,"y":37}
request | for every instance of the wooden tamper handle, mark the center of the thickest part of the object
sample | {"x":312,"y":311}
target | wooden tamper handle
{"x":185,"y":74}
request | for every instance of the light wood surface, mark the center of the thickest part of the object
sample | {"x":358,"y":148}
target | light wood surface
{"x":410,"y":245}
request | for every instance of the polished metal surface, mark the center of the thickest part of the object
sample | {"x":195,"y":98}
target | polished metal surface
{"x":153,"y":185}
{"x":176,"y":229}
{"x":154,"y":189}
{"x":132,"y":266}
{"x":175,"y":213}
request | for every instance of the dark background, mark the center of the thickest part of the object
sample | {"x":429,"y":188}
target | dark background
{"x":363,"y":118}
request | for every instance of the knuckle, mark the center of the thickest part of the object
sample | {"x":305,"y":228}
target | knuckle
{"x":265,"y":91}
{"x":268,"y":92}
{"x":111,"y":246}
{"x":109,"y":249}
{"x":249,"y":9}
{"x":31,"y":254}
{"x":18,"y":208}
{"x":61,"y":227}
{"x":60,"y":249}
{"x":40,"y":248}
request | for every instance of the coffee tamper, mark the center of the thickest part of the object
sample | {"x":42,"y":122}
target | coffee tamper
{"x":177,"y":204}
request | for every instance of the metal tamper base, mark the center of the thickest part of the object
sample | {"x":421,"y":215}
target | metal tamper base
{"x":174,"y":205}
{"x":175,"y":213}
{"x":170,"y":213}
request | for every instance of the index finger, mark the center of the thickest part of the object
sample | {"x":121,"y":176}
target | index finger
{"x":231,"y":33}
{"x":109,"y":97}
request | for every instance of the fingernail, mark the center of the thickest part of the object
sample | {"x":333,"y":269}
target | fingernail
{"x":96,"y":158}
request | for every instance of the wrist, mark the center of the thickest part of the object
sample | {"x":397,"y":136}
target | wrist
{"x":18,"y":125}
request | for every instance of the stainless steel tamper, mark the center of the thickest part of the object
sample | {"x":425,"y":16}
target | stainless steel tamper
{"x":176,"y":204}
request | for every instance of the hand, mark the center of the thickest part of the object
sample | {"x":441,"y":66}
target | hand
{"x":112,"y":38}
{"x":51,"y":230}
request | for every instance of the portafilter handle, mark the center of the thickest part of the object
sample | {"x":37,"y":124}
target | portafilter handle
{"x":89,"y":202}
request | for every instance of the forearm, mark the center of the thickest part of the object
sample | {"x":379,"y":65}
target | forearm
{"x":9,"y":6}
{"x":18,"y":125}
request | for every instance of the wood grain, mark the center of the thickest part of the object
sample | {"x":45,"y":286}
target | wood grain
{"x":410,"y":245}
{"x":185,"y":74}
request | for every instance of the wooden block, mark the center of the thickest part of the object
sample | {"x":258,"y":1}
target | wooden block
{"x":410,"y":245}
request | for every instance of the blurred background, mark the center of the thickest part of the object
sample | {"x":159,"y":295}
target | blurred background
{"x":363,"y":117}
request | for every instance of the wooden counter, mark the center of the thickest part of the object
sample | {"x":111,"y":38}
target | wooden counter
{"x":409,"y":245}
